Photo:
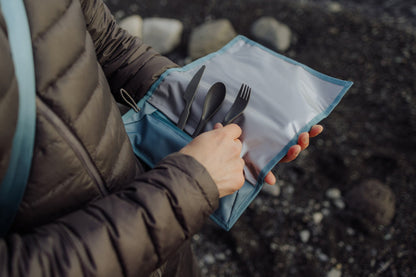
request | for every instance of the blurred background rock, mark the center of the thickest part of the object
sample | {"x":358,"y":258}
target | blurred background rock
{"x":346,"y":206}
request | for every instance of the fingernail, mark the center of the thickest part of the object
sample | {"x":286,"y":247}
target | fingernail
{"x":305,"y":140}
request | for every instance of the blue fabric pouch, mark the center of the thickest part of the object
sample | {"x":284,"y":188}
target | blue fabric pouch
{"x":287,"y":99}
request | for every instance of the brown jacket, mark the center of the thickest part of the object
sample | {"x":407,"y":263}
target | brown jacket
{"x":89,"y":208}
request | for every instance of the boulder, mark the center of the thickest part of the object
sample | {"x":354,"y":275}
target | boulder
{"x":133,"y":24}
{"x":210,"y":37}
{"x":163,"y":34}
{"x":272,"y":33}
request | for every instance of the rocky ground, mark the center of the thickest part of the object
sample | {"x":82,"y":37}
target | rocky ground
{"x":314,"y":222}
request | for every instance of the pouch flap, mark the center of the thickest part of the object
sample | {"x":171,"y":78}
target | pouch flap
{"x":287,"y":98}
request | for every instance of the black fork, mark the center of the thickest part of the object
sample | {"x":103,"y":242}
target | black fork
{"x":240,"y":103}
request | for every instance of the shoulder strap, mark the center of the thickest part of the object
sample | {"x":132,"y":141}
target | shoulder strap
{"x":14,"y":182}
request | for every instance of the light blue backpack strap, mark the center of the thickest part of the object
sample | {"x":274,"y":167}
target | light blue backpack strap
{"x":14,"y":182}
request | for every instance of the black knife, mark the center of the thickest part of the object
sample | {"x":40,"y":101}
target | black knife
{"x":189,"y":96}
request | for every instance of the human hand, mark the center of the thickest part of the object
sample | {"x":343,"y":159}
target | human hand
{"x":219,"y":151}
{"x":293,"y":152}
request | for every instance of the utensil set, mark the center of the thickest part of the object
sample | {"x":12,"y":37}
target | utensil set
{"x":212,"y":102}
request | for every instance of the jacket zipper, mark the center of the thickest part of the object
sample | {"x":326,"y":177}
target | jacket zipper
{"x":74,"y":143}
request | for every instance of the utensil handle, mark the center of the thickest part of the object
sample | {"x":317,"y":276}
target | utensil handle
{"x":228,"y":120}
{"x":199,"y":128}
{"x":184,"y":117}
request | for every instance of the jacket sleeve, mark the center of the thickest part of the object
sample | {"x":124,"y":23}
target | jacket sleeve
{"x":127,"y":62}
{"x":129,"y":233}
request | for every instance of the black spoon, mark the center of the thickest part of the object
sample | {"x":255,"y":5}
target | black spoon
{"x":212,"y":104}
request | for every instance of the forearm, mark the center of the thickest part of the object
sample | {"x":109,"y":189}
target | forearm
{"x":128,"y":233}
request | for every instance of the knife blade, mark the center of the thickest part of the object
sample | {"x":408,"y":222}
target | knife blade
{"x":189,"y":96}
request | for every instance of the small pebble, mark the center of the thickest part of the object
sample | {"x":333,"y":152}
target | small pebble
{"x":333,"y":193}
{"x":388,"y":237}
{"x":272,"y":190}
{"x":220,"y":256}
{"x":209,"y":259}
{"x":350,"y":231}
{"x":322,"y":257}
{"x":289,"y":189}
{"x":339,"y":203}
{"x":304,"y":235}
{"x":334,"y":273}
{"x":326,"y":212}
{"x":317,"y":217}
{"x":274,"y":246}
{"x":334,"y":7}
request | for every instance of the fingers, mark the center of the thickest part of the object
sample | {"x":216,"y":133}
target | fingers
{"x":231,"y":130}
{"x":303,"y":143}
{"x":270,"y":178}
{"x":239,"y":144}
{"x":292,"y":154}
{"x":315,"y":130}
{"x":234,"y":130}
{"x":303,"y":140}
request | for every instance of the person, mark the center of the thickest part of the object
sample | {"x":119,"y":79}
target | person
{"x":90,"y":208}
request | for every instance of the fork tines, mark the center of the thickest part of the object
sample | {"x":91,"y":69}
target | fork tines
{"x":244,"y":92}
{"x":240,"y":103}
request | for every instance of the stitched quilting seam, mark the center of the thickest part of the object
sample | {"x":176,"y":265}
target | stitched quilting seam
{"x":98,"y":213}
{"x":74,"y":143}
{"x":78,"y":244}
{"x":144,"y":214}
{"x":116,"y":160}
{"x":107,"y":125}
{"x":66,"y":70}
{"x":88,"y":101}
{"x":53,"y":23}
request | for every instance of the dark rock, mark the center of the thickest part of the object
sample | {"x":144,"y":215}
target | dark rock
{"x":372,"y":202}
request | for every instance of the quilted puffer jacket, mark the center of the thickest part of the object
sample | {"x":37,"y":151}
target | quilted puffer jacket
{"x":89,"y":209}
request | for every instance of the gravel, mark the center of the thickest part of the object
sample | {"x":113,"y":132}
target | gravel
{"x":370,"y":135}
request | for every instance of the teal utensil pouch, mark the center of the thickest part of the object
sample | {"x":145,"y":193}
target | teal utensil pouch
{"x":287,"y":98}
